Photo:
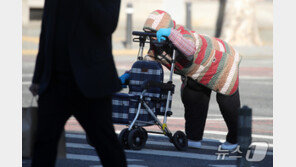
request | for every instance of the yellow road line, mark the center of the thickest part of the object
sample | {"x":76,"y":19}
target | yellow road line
{"x":31,"y":39}
{"x":125,"y":52}
{"x":121,"y":52}
{"x":29,"y":52}
{"x":36,"y":39}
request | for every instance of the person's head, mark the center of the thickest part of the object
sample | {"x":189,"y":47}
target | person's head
{"x":158,"y":19}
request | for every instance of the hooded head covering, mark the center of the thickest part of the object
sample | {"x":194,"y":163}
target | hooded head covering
{"x":158,"y":19}
{"x":161,"y":19}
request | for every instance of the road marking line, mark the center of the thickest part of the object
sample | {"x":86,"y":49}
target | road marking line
{"x":223,"y":140}
{"x":248,"y":77}
{"x":179,"y":154}
{"x":29,"y":52}
{"x":223,"y":165}
{"x":243,"y":77}
{"x":254,"y":118}
{"x":77,"y":145}
{"x":92,"y":157}
{"x":26,"y":82}
{"x":215,"y":148}
{"x":157,"y":152}
{"x":165,"y":78}
{"x":30,"y":39}
{"x":127,"y":166}
{"x":225,"y":133}
{"x":219,"y":133}
{"x":210,"y":132}
{"x":176,"y":77}
{"x":163,"y":143}
{"x":35,"y":39}
{"x":262,"y":83}
{"x":76,"y":136}
{"x":27,"y":75}
{"x":117,"y":52}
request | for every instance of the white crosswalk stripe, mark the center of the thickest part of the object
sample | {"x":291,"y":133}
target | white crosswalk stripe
{"x":128,"y":166}
{"x":177,"y":78}
{"x":81,"y":136}
{"x":91,"y":157}
{"x":148,"y":151}
{"x":156,"y":152}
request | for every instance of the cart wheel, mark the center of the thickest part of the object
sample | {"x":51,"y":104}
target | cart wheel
{"x":180,"y":141}
{"x":145,"y":134}
{"x":88,"y":141}
{"x":136,"y":139}
{"x":122,"y":137}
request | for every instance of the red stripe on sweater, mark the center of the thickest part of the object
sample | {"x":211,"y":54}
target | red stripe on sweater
{"x":202,"y":51}
{"x":235,"y":86}
{"x":183,"y":31}
{"x":160,"y":11}
{"x":168,"y":66}
{"x":212,"y":69}
{"x":174,"y":23}
{"x":179,"y":66}
{"x":222,"y":43}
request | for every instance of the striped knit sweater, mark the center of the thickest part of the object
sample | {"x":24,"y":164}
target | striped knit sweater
{"x":216,"y":65}
{"x":212,"y":63}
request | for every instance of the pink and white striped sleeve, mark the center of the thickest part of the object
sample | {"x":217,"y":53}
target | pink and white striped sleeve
{"x":186,"y":46}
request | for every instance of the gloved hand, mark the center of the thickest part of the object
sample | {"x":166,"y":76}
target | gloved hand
{"x":162,"y":33}
{"x":123,"y":79}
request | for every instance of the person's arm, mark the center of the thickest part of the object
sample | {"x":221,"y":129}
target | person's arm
{"x":103,"y":14}
{"x":40,"y":55}
{"x":38,"y":70}
{"x":186,"y":46}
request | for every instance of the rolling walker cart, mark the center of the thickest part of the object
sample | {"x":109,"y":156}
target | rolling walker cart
{"x":148,"y":97}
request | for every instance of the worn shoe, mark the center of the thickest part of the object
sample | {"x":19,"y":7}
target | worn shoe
{"x":228,"y":146}
{"x":194,"y":144}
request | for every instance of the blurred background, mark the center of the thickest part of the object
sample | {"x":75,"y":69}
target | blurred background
{"x":241,"y":16}
{"x":240,"y":22}
{"x":245,"y":24}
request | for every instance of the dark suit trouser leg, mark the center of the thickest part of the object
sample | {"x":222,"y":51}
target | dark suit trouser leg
{"x":196,"y":104}
{"x":52,"y":116}
{"x":63,"y":99}
{"x":95,"y":116}
{"x":229,"y":106}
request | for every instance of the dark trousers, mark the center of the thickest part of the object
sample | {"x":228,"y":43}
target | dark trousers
{"x":196,"y":98}
{"x":63,"y":99}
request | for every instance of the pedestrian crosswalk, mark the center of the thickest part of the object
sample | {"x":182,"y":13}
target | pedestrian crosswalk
{"x":158,"y":151}
{"x":158,"y":148}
